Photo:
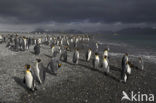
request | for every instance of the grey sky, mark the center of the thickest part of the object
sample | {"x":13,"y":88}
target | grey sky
{"x":85,"y":15}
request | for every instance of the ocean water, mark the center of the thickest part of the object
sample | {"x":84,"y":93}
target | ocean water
{"x":135,"y":45}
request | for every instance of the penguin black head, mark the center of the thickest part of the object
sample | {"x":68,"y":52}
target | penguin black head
{"x":128,"y":62}
{"x":38,"y":60}
{"x":105,"y":57}
{"x":96,"y":54}
{"x":27,"y":66}
{"x":126,"y":54}
{"x":139,"y":58}
{"x":106,"y":49}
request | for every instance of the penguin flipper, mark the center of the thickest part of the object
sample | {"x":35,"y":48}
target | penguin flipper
{"x":42,"y":72}
{"x":86,"y":56}
{"x":33,"y":74}
{"x":24,"y":80}
{"x":33,"y":86}
{"x":93,"y":62}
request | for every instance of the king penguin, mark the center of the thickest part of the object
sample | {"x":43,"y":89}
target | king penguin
{"x":88,"y":54}
{"x":96,"y":61}
{"x":37,"y":49}
{"x":53,"y":66}
{"x":39,"y":71}
{"x":128,"y":68}
{"x":53,"y":50}
{"x":29,"y":78}
{"x":123,"y":69}
{"x":64,"y":55}
{"x":106,"y":64}
{"x":97,"y":46}
{"x":76,"y":56}
{"x":141,"y":63}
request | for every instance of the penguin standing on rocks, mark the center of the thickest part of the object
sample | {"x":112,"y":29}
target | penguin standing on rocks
{"x":124,"y":68}
{"x":20,"y":43}
{"x":64,"y":55}
{"x":59,"y":49}
{"x":141,"y":63}
{"x":97,"y":46}
{"x":29,"y":42}
{"x":88,"y":54}
{"x":76,"y":56}
{"x":68,"y":43}
{"x":128,"y":68}
{"x":29,"y":78}
{"x":105,"y":53}
{"x":16,"y":41}
{"x":96,"y":61}
{"x":39,"y":71}
{"x":37,"y":49}
{"x":53,"y":66}
{"x":53,"y":50}
{"x":24,"y":43}
{"x":106,"y":64}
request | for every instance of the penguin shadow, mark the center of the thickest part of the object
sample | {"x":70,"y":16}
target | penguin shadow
{"x":48,"y":56}
{"x":110,"y":75}
{"x":32,"y":52}
{"x":46,"y":70}
{"x":69,"y":63}
{"x":82,"y":60}
{"x":115,"y":68}
{"x":135,"y":66}
{"x":19,"y":81}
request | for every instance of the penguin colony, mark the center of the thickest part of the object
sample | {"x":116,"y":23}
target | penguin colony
{"x":60,"y":46}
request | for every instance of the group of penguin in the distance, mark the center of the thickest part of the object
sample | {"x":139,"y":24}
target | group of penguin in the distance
{"x":60,"y":47}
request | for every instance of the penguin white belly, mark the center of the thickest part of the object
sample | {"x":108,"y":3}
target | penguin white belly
{"x":52,"y":50}
{"x":71,"y":40}
{"x":78,"y":55}
{"x":35,"y":41}
{"x":29,"y":79}
{"x":125,"y":78}
{"x":25,"y":42}
{"x":105,"y":64}
{"x":38,"y":74}
{"x":128,"y":69}
{"x":61,"y":42}
{"x":97,"y":59}
{"x":89,"y":55}
{"x":67,"y":42}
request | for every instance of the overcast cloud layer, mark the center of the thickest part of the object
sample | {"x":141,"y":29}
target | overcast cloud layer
{"x":85,"y":15}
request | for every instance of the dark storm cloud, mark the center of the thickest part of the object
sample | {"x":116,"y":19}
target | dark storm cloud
{"x":35,"y":11}
{"x":87,"y":15}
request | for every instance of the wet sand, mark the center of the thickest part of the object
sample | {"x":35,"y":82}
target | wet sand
{"x":73,"y":83}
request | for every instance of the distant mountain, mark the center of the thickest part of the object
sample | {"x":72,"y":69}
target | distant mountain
{"x":70,"y":31}
{"x":126,"y":31}
{"x":102,"y":32}
{"x":131,"y":31}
